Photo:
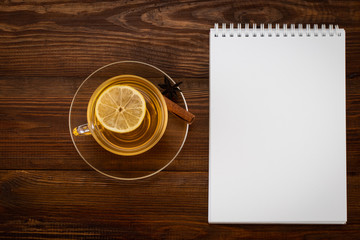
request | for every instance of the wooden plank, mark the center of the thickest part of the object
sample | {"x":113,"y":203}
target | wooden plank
{"x":72,"y":39}
{"x":41,"y":114}
{"x":34,"y":125}
{"x":60,"y":204}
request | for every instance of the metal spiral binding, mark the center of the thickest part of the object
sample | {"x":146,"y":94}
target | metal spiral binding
{"x":269,"y":31}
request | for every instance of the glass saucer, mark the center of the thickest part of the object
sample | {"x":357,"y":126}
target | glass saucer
{"x":112,"y":165}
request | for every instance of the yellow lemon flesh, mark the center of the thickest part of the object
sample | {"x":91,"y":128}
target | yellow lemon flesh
{"x":120,"y":108}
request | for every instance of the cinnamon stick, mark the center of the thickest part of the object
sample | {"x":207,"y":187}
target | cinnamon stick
{"x":179,"y":111}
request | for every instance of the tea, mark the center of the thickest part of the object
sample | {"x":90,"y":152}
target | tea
{"x":143,"y":135}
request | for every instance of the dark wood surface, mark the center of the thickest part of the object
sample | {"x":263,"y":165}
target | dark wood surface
{"x":47,"y":48}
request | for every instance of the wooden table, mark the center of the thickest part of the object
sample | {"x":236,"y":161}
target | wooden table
{"x":47,"y":48}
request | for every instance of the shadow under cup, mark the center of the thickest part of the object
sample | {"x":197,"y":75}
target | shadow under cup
{"x":131,"y":167}
{"x":143,"y":137}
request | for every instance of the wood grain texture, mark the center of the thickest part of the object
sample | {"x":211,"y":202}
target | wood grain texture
{"x":169,"y":205}
{"x":47,"y":48}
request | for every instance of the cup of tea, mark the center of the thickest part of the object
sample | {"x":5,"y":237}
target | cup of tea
{"x":127,"y":115}
{"x":121,"y":124}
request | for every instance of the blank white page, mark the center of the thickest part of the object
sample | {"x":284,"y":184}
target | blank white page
{"x":277,"y":126}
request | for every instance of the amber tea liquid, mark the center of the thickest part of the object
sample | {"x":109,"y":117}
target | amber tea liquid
{"x":150,"y":130}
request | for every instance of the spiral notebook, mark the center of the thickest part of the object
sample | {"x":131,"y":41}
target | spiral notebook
{"x":277,"y":124}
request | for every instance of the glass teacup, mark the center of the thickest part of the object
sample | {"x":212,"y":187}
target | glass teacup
{"x":139,"y":140}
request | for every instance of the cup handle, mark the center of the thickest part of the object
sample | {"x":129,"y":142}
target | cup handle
{"x":81,"y":130}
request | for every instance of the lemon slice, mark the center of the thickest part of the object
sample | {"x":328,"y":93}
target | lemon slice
{"x":120,"y":108}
